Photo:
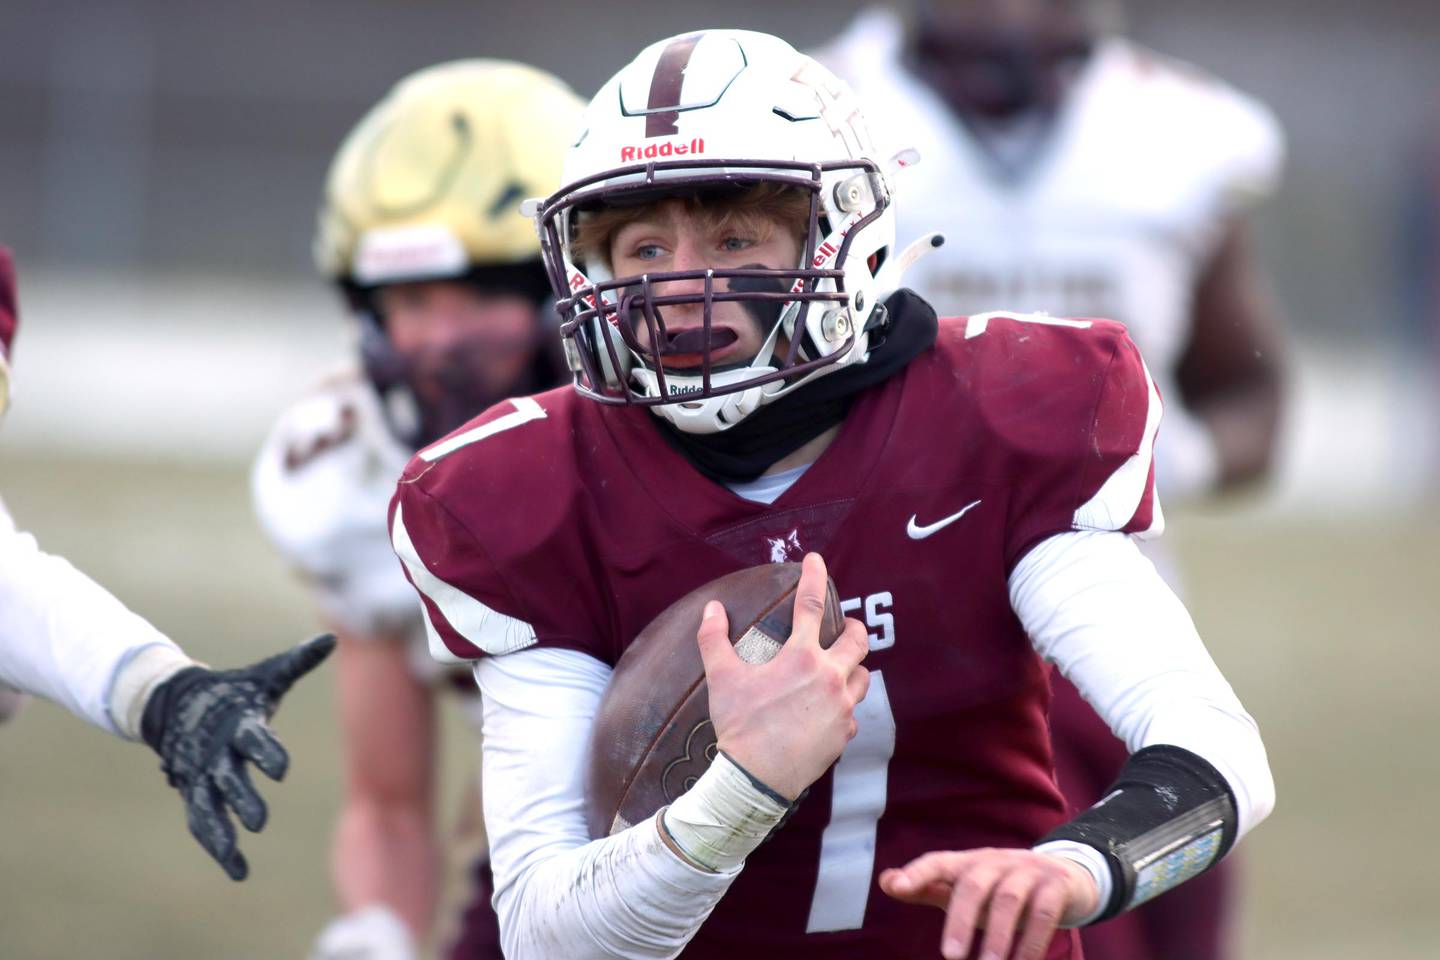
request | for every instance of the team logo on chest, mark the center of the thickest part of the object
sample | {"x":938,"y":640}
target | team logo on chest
{"x":783,"y":536}
{"x":785,"y":549}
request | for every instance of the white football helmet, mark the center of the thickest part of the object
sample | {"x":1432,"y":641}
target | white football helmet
{"x":696,"y":113}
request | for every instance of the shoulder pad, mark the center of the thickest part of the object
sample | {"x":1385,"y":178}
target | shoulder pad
{"x":320,"y":487}
{"x":1066,"y":409}
{"x":1233,"y":140}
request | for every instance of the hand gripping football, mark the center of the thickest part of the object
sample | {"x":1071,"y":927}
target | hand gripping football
{"x":652,"y":736}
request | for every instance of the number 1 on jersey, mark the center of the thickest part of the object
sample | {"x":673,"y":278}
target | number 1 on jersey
{"x":526,"y":409}
{"x":858,"y":790}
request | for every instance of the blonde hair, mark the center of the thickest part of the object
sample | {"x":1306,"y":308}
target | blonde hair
{"x":759,"y":208}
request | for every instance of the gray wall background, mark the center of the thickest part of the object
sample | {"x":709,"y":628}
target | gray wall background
{"x":160,"y":164}
{"x":159,"y":135}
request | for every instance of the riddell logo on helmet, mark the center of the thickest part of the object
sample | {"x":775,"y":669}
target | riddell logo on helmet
{"x":578,"y":280}
{"x":659,"y":151}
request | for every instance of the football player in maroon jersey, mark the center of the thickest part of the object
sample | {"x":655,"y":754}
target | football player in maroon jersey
{"x":753,"y":385}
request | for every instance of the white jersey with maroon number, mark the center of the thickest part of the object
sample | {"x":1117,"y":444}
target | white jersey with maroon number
{"x":1113,"y":211}
{"x":322,"y":486}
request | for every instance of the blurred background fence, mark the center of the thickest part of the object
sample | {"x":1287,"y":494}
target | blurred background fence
{"x":160,"y":165}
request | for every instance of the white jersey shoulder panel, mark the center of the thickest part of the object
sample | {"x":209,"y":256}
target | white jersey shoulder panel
{"x":321,"y":487}
{"x":1225,"y":146}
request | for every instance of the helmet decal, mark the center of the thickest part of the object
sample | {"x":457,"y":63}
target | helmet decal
{"x":393,"y":198}
{"x":838,"y":109}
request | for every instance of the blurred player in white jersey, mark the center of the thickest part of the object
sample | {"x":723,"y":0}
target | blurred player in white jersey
{"x":1080,"y":174}
{"x":64,"y":637}
{"x":420,"y":230}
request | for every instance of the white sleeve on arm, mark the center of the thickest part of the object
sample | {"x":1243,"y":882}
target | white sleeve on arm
{"x":1094,"y":606}
{"x":65,"y":638}
{"x":558,"y":893}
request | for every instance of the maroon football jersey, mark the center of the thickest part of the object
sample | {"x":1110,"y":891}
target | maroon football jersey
{"x":581,"y":521}
{"x":9,"y":315}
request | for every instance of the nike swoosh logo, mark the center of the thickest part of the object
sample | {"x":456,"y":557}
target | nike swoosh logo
{"x":918,"y":532}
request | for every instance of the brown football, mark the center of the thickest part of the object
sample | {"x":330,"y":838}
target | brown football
{"x":652,"y":736}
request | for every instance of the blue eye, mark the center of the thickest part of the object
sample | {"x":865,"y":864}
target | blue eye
{"x":733,"y":244}
{"x":647,"y":251}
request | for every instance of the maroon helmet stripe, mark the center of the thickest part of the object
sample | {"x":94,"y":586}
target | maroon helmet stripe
{"x":665,"y":87}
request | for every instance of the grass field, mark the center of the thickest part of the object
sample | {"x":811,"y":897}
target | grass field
{"x":1327,"y":628}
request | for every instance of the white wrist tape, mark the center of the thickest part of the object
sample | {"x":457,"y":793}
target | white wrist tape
{"x":137,"y":678}
{"x":717,"y":822}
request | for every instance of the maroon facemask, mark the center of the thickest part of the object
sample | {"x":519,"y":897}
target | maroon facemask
{"x":599,"y":320}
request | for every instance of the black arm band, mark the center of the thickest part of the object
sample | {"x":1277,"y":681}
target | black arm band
{"x":1168,"y":817}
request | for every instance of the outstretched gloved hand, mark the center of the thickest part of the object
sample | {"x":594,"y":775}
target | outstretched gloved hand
{"x":206,"y":724}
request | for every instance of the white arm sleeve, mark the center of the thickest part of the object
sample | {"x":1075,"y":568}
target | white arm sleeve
{"x":65,"y":638}
{"x":1094,"y":606}
{"x":557,"y":893}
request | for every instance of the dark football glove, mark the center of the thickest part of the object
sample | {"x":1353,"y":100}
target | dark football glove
{"x":206,"y":723}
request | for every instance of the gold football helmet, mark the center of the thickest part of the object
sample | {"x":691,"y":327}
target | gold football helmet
{"x":426,"y":188}
{"x":428,"y":184}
